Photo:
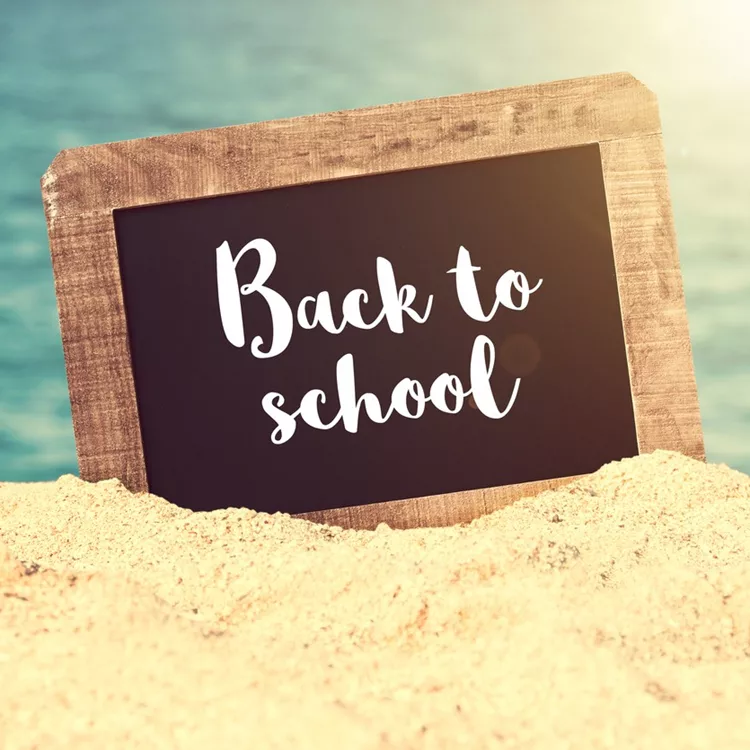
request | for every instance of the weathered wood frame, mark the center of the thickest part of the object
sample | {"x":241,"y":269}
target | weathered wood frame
{"x":83,"y":186}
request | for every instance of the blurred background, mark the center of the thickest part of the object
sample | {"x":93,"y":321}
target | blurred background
{"x":91,"y":71}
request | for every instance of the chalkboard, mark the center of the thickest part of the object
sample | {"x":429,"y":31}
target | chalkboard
{"x":413,"y":313}
{"x":560,"y":374}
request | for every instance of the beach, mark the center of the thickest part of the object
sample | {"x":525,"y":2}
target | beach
{"x":613,"y":612}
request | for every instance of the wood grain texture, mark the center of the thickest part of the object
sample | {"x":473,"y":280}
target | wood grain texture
{"x":660,"y":360}
{"x":97,"y":354}
{"x":83,"y":186}
{"x":364,"y":141}
{"x":437,"y":510}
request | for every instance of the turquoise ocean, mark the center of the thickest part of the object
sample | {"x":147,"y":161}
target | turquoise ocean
{"x":91,"y":71}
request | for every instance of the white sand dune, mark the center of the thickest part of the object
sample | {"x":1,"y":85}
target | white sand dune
{"x":614,"y":613}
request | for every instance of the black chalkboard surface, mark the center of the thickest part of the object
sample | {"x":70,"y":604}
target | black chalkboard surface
{"x":560,"y":370}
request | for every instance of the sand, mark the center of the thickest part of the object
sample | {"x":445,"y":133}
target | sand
{"x":614,"y":613}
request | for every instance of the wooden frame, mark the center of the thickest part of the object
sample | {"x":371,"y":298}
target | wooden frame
{"x":83,"y":186}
